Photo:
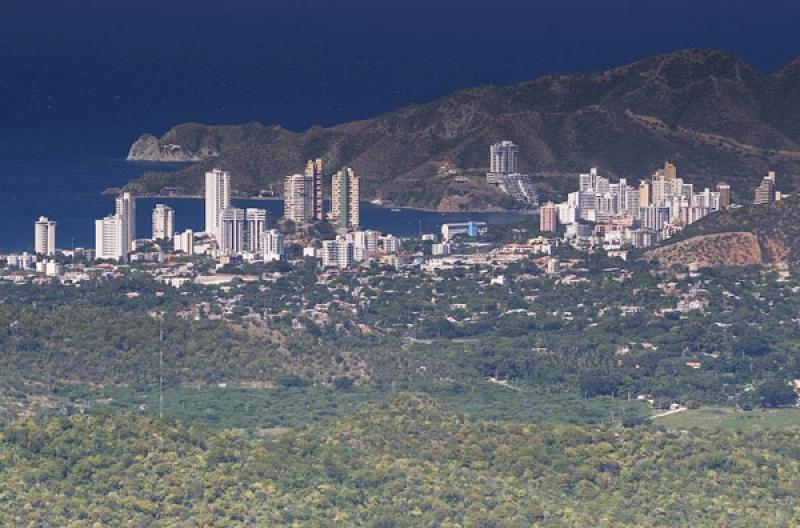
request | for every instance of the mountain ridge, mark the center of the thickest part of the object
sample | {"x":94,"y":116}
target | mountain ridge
{"x":713,"y":114}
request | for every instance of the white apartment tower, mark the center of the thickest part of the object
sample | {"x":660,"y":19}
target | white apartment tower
{"x":503,"y":158}
{"x":230,"y":232}
{"x":256,"y":225}
{"x":184,"y":242}
{"x":125,"y":209}
{"x":345,"y":199}
{"x":45,"y":237}
{"x":110,"y":235}
{"x":218,"y":197}
{"x":273,"y":245}
{"x":298,"y":198}
{"x":338,"y":253}
{"x":163,"y":222}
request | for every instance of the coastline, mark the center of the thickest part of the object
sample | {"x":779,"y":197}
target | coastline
{"x":385,"y":206}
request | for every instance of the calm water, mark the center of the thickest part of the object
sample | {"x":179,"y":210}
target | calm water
{"x":69,"y":192}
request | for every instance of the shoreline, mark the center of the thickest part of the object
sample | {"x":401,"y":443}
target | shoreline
{"x":388,"y":207}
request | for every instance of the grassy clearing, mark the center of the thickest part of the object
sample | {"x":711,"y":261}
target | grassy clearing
{"x":299,"y":406}
{"x":727,"y":419}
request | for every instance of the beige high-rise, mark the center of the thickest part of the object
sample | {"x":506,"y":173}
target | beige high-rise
{"x":45,"y":236}
{"x":645,"y":193}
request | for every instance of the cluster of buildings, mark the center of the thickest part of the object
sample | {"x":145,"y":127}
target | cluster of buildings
{"x":505,"y":175}
{"x":233,"y":232}
{"x":765,"y":192}
{"x":356,"y":247}
{"x":615,"y":214}
{"x":304,"y":199}
{"x":601,"y":213}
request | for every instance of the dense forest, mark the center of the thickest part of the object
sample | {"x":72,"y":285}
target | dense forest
{"x":404,"y":462}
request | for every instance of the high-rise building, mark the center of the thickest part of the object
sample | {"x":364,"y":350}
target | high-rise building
{"x":44,"y":236}
{"x":548,"y":218}
{"x":503,"y":158}
{"x":218,"y":198}
{"x":645,"y":193}
{"x":163,"y":222}
{"x":724,"y":191}
{"x":298,"y":198}
{"x":670,"y":171}
{"x":230,"y":233}
{"x":184,"y":242}
{"x":765,"y":192}
{"x":256,"y":224}
{"x":110,"y":236}
{"x":345,"y":196}
{"x":126,"y":211}
{"x":338,"y":253}
{"x":273,"y":245}
{"x":314,"y":172}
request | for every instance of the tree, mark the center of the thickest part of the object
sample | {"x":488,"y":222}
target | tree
{"x":752,"y":345}
{"x":776,"y":394}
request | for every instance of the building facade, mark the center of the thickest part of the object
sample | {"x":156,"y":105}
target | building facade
{"x":298,"y":198}
{"x":256,"y":224}
{"x":765,"y":192}
{"x":218,"y":198}
{"x":184,"y":242}
{"x":548,"y":218}
{"x":126,"y":211}
{"x":273,"y":248}
{"x":339,"y":253}
{"x":345,"y":199}
{"x":314,"y":172}
{"x":503,"y":159}
{"x":163,"y":222}
{"x":110,"y":236}
{"x":44,"y":237}
{"x":231,"y":230}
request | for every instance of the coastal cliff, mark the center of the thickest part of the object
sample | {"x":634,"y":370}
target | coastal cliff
{"x":150,"y":148}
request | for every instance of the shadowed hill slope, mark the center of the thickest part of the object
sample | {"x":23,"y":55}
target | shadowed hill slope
{"x":712,"y":113}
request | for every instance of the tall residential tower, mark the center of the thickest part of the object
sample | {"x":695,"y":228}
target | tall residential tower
{"x":218,"y":197}
{"x":314,"y":172}
{"x":298,"y":198}
{"x":345,"y":196}
{"x":45,"y":236}
{"x":126,"y":211}
{"x":163,"y":222}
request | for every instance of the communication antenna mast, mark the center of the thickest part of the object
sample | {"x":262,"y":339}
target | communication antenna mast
{"x":161,"y":367}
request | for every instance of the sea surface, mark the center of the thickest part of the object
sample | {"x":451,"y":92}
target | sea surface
{"x":70,"y":192}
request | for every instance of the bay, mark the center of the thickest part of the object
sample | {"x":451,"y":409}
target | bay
{"x":69,"y":191}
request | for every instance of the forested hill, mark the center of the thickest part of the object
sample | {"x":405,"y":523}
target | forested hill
{"x":715,"y":115}
{"x":404,"y":463}
{"x":751,"y":235}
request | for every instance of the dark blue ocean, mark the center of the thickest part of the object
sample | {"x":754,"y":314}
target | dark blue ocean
{"x":79,"y":81}
{"x":69,"y":191}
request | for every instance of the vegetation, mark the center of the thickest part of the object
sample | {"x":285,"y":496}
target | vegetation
{"x":721,"y":114}
{"x":405,"y":462}
{"x":727,"y":419}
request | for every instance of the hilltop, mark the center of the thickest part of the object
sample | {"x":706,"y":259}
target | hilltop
{"x":752,"y":235}
{"x":713,"y":114}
